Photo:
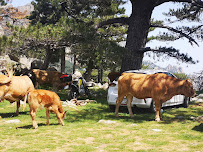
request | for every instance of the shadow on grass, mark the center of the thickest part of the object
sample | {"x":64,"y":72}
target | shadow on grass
{"x":96,"y":113}
{"x":198,"y":128}
{"x":39,"y":125}
{"x":11,"y":115}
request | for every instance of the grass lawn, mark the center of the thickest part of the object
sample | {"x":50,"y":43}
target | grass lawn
{"x":85,"y":132}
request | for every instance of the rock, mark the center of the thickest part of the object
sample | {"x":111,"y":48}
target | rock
{"x":134,"y":124}
{"x":200,"y":100}
{"x":13,"y":121}
{"x":105,"y":86}
{"x":99,"y":85}
{"x":107,"y":121}
{"x":157,"y":130}
{"x":200,"y":96}
{"x":194,"y":99}
{"x":199,"y":119}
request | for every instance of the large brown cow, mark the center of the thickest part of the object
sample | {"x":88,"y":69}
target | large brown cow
{"x":14,"y":88}
{"x":160,"y":87}
{"x":48,"y":99}
{"x":48,"y":77}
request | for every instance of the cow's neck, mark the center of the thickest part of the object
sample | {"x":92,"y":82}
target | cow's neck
{"x":177,"y":87}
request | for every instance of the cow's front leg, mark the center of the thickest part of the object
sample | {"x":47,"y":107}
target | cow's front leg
{"x":129,"y":101}
{"x":158,"y":111}
{"x":18,"y":106}
{"x":47,"y":115}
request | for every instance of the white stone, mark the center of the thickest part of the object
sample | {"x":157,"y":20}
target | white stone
{"x":107,"y":121}
{"x":157,"y":130}
{"x":13,"y":121}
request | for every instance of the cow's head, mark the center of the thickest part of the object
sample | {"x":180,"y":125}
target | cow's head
{"x":5,"y":83}
{"x":188,"y":89}
{"x":6,"y":79}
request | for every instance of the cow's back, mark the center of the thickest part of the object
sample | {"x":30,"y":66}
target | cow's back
{"x":18,"y":88}
{"x":143,"y":85}
{"x":47,"y":77}
{"x":131,"y":83}
{"x":44,"y":97}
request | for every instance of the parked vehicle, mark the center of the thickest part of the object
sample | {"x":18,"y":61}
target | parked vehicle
{"x":147,"y":103}
{"x":77,"y":87}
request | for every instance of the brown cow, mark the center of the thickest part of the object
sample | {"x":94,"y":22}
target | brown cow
{"x":113,"y":75}
{"x":48,"y":99}
{"x":48,"y":77}
{"x":160,"y":87}
{"x":14,"y":88}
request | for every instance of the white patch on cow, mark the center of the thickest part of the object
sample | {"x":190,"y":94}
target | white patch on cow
{"x":50,"y":108}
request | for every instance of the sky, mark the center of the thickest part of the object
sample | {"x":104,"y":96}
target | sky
{"x":183,"y":45}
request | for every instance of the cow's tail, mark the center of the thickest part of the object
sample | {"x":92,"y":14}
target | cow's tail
{"x":25,"y":99}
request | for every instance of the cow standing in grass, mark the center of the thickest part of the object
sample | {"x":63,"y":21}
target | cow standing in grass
{"x":14,"y":88}
{"x":48,"y":99}
{"x":160,"y":87}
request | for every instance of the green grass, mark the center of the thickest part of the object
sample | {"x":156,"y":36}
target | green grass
{"x":83,"y":132}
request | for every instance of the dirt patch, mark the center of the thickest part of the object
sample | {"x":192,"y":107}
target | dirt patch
{"x":88,"y":140}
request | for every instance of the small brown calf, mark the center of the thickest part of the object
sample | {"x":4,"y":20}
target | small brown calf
{"x":48,"y":99}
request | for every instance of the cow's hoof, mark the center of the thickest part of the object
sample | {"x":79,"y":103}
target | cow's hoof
{"x":158,"y":119}
{"x":35,"y":127}
{"x":131,"y":116}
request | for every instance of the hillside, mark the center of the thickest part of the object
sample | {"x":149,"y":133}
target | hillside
{"x":170,"y":68}
{"x":13,"y":16}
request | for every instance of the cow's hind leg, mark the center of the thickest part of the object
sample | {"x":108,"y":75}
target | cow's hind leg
{"x":18,"y":106}
{"x":129,"y":101}
{"x":33,"y":115}
{"x":118,"y":103}
{"x":47,"y":115}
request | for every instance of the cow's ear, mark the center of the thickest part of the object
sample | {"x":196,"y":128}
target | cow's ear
{"x":64,"y":114}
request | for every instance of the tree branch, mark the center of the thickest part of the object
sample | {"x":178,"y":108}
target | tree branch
{"x":122,"y":20}
{"x":191,"y":40}
{"x":198,"y":3}
{"x":172,"y":52}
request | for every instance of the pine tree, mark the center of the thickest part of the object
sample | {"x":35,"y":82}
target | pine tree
{"x":139,"y":24}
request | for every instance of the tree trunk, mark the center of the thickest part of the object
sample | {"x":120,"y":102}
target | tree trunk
{"x":88,"y":72}
{"x":139,"y":24}
{"x":47,"y":59}
{"x":63,"y":61}
{"x":74,"y":63}
{"x":100,"y":74}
